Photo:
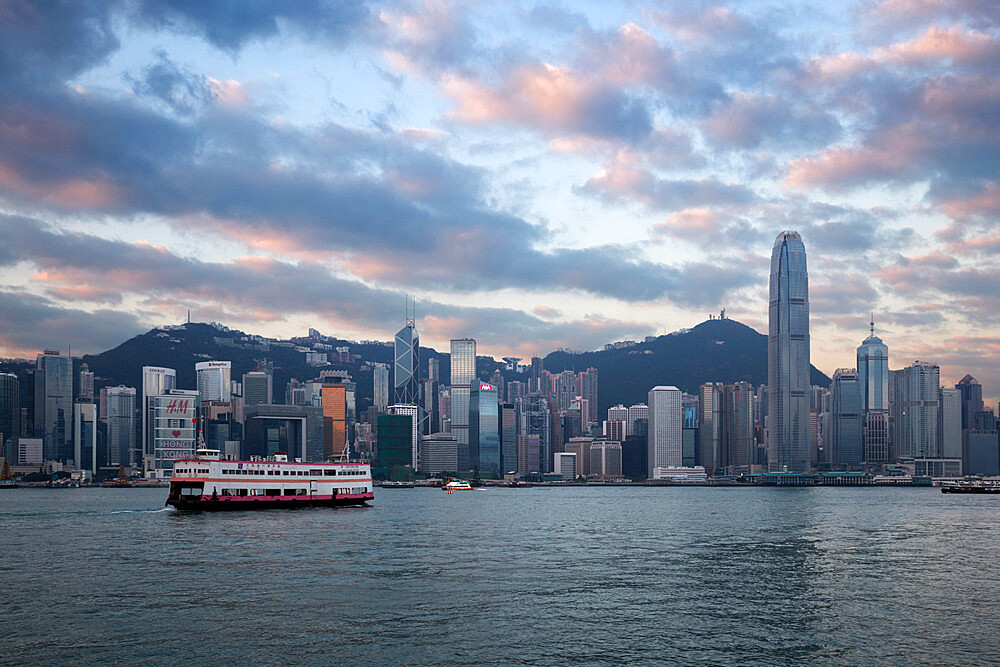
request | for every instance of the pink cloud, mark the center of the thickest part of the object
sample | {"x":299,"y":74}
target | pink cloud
{"x":691,"y":223}
{"x":984,"y":202}
{"x":891,"y":155}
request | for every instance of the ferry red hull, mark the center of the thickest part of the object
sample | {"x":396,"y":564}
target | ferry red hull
{"x":244,"y":503}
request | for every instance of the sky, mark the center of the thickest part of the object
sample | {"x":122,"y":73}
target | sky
{"x":536,"y":175}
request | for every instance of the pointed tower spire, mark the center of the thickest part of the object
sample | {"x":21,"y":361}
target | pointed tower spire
{"x":873,"y":324}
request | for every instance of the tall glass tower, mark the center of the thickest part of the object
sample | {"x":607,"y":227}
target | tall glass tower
{"x":407,"y":362}
{"x":788,"y":357}
{"x":873,"y":372}
{"x":873,"y":376}
{"x":463,"y":374}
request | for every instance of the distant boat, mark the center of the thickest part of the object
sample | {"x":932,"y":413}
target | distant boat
{"x":6,"y":479}
{"x":457,"y":485}
{"x":971,"y":487}
{"x":398,"y":485}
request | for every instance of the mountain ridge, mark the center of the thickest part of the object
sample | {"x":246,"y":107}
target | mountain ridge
{"x":716,"y":350}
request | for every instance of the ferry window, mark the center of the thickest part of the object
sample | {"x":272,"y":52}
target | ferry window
{"x":315,"y":472}
{"x":329,"y":472}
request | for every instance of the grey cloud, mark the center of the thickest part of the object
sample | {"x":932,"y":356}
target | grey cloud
{"x":745,"y":121}
{"x":265,"y":286}
{"x":229,"y":24}
{"x":422,"y":214}
{"x":183,"y":91}
{"x":48,"y":41}
{"x":30,"y":322}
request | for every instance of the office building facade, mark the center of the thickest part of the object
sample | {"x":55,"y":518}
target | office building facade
{"x":214,"y":380}
{"x":914,"y":405}
{"x":122,"y":446}
{"x":665,"y":426}
{"x":463,"y":375}
{"x":54,"y":405}
{"x":406,"y":365}
{"x":156,"y":381}
{"x":10,"y":415}
{"x":847,"y":420}
{"x":788,"y":357}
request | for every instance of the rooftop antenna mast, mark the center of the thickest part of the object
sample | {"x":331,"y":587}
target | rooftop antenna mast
{"x":873,"y":324}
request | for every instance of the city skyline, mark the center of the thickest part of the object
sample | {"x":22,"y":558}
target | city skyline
{"x":538,"y":177}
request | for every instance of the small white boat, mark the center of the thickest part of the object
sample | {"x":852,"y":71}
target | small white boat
{"x":457,"y":485}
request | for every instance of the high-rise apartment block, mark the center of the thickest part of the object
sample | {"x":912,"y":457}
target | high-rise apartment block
{"x":788,"y":356}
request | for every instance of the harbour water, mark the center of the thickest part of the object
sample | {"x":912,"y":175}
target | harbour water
{"x":507,"y":576}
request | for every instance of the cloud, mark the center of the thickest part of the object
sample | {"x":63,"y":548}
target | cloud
{"x":50,"y":41}
{"x":30,"y":323}
{"x":626,"y":178}
{"x":747,"y":119}
{"x":553,"y":99}
{"x":245,"y":290}
{"x":230,"y":24}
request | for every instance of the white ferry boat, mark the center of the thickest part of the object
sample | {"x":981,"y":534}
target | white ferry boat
{"x":211,"y":482}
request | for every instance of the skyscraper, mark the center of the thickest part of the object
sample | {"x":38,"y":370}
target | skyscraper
{"x":950,"y":423}
{"x":726,"y":436}
{"x":635,"y":413}
{"x":10,"y":416}
{"x":588,"y":391}
{"x":214,"y":380}
{"x":407,"y":364}
{"x":434,"y":369}
{"x":665,"y":426}
{"x":873,"y":372}
{"x":380,"y":378}
{"x":156,"y":381}
{"x":788,"y":356}
{"x":463,"y":374}
{"x":565,"y":389}
{"x":535,"y":415}
{"x":914,"y":405}
{"x":334,"y":401}
{"x":85,"y":435}
{"x":86,"y":383}
{"x":508,"y":438}
{"x":413,"y":412}
{"x":846,"y":438}
{"x":257,"y":389}
{"x":121,"y":426}
{"x":484,"y":429}
{"x":873,"y":377}
{"x":54,"y":404}
{"x":972,"y":400}
{"x":175,"y":429}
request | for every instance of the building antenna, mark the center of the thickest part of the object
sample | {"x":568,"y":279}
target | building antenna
{"x":873,"y":324}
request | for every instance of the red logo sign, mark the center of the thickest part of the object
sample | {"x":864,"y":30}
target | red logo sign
{"x":177,"y":407}
{"x":176,"y":434}
{"x":485,"y":387}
